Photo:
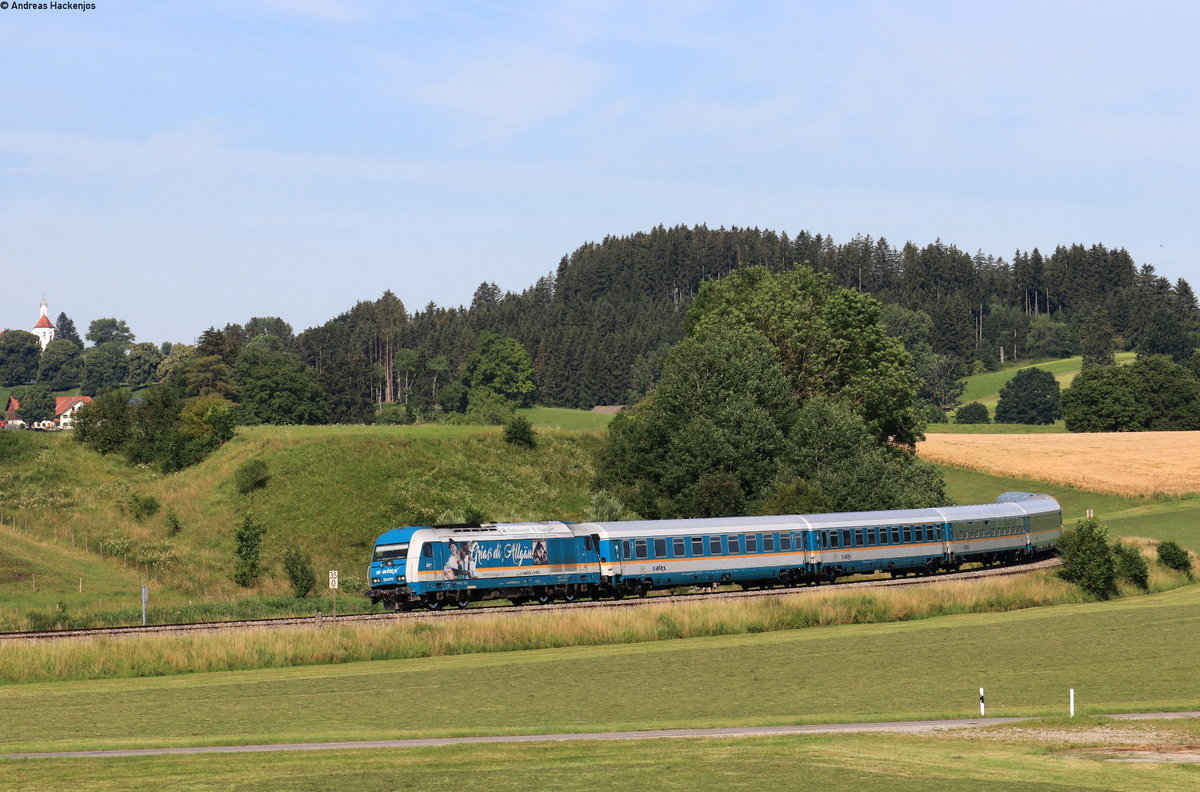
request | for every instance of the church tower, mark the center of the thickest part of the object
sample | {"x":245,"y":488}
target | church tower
{"x":44,"y":329}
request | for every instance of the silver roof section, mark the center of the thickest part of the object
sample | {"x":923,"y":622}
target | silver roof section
{"x":530,"y":530}
{"x":1034,"y":504}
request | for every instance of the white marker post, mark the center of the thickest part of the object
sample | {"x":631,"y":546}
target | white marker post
{"x":145,"y":599}
{"x":333,"y":584}
{"x":982,"y":710}
{"x":1072,"y":702}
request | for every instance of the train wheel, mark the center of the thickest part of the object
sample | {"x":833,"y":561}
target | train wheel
{"x":432,"y":604}
{"x":462,"y":602}
{"x":544,"y":598}
{"x":569,"y":596}
{"x":518,"y":601}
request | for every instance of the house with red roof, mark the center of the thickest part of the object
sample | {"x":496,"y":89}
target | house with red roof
{"x":65,"y":410}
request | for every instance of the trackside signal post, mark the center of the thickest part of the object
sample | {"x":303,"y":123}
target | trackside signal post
{"x":333,"y":585}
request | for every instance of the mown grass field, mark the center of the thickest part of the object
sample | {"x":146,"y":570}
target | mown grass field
{"x":1132,"y":654}
{"x":989,"y":762}
{"x":1122,"y":463}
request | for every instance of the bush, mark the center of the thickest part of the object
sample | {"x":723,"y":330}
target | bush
{"x":471,"y":514}
{"x":247,"y":555}
{"x":174,"y":526}
{"x":934,"y":414}
{"x":299,"y":568}
{"x":973,"y":413}
{"x":519,"y":432}
{"x":396,"y":414}
{"x":1087,"y":560}
{"x":1129,"y":564}
{"x":142,"y":506}
{"x":251,"y":475}
{"x":1172,"y":556}
{"x":1031,"y":397}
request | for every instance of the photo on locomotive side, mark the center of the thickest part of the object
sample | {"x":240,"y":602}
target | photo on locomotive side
{"x":431,"y":566}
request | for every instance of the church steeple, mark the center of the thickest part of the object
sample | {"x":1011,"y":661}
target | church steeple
{"x":44,"y":329}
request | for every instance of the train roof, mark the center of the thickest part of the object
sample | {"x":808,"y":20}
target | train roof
{"x":1012,"y":507}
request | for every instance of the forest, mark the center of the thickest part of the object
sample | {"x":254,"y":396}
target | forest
{"x":596,"y":330}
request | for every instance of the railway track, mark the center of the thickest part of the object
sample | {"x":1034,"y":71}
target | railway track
{"x":318,"y":620}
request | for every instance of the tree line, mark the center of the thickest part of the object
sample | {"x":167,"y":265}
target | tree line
{"x":599,"y":328}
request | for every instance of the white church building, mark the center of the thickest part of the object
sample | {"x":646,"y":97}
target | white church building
{"x":44,"y":329}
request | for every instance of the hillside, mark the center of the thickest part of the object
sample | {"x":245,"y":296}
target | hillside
{"x":331,"y":491}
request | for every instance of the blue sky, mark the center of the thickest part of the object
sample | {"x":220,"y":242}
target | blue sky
{"x":187,"y":164}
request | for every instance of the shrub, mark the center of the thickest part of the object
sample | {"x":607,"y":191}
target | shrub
{"x":1172,"y":556}
{"x":299,"y":568}
{"x":519,"y":432}
{"x":174,"y":526}
{"x":934,"y":414}
{"x":973,"y":413}
{"x":142,"y":506}
{"x":396,"y":414}
{"x":247,"y":555}
{"x":251,"y":475}
{"x":1087,"y":560}
{"x":1031,"y":397}
{"x":472,"y":514}
{"x":1129,"y":564}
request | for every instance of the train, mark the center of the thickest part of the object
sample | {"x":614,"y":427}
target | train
{"x":454,"y":565}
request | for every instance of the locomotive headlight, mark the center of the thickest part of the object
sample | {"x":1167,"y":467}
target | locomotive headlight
{"x":374,"y":580}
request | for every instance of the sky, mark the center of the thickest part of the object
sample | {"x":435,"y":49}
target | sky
{"x":187,"y":164}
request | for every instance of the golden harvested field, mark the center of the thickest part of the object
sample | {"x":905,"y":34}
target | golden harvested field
{"x":1121,"y":463}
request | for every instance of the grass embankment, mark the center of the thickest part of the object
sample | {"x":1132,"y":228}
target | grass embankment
{"x":158,"y":655}
{"x":331,"y":491}
{"x":1135,"y":654}
{"x":985,"y":389}
{"x":988,"y":762}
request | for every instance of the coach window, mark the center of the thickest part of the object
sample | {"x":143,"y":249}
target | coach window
{"x":895,"y":534}
{"x":846,"y":538}
{"x":639,"y":548}
{"x":785,"y":541}
{"x":697,"y":545}
{"x":714,"y":545}
{"x":660,"y":548}
{"x":626,"y":553}
{"x":768,"y":543}
{"x":751,"y":543}
{"x":680,"y":546}
{"x":833,"y":538}
{"x":734,"y":545}
{"x":871,"y":537}
{"x":858,"y":537}
{"x":907,"y":534}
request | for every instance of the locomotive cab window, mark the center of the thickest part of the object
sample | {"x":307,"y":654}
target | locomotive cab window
{"x":392,"y":552}
{"x":427,"y":551}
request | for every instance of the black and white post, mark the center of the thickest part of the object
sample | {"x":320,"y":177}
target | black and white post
{"x":982,"y":710}
{"x":333,"y":584}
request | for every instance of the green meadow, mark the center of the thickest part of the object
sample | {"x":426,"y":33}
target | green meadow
{"x":987,"y":762}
